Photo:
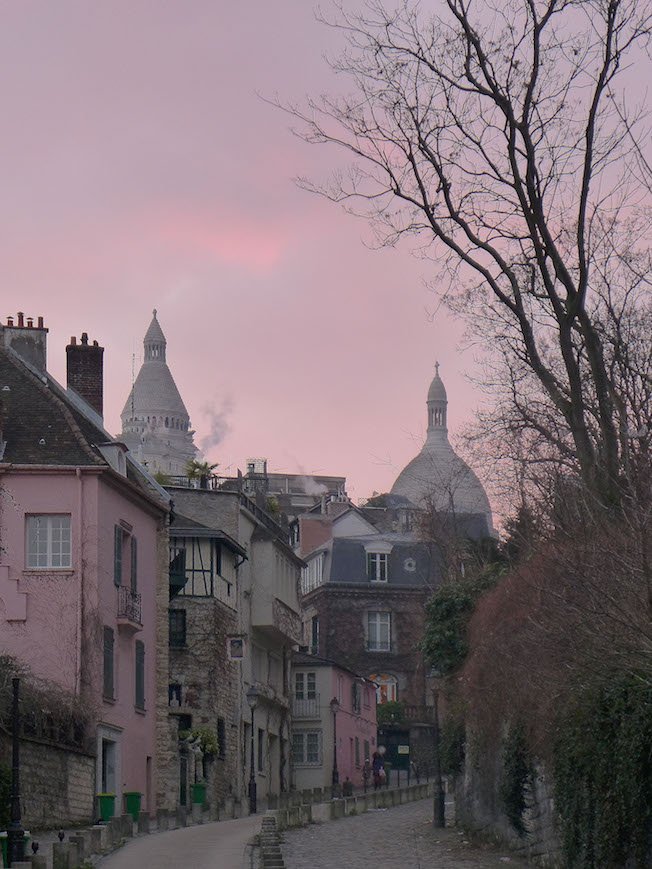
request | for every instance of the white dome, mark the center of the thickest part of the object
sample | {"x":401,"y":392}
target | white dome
{"x":437,"y":477}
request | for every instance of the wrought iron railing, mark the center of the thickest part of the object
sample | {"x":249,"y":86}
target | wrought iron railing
{"x":308,"y":707}
{"x":129,"y":606}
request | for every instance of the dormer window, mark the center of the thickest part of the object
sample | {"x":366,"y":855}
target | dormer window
{"x":377,"y":566}
{"x":378,"y":561}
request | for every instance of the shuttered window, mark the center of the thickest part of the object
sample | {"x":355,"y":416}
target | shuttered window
{"x":108,"y":682}
{"x":117,"y":555}
{"x":134,"y":564}
{"x":140,"y":674}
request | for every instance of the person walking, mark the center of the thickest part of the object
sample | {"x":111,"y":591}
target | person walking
{"x":378,"y":769}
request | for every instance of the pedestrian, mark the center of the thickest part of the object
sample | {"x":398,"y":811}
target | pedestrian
{"x":378,"y":769}
{"x":366,"y":773}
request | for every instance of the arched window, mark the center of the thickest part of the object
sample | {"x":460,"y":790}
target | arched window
{"x":386,"y":687}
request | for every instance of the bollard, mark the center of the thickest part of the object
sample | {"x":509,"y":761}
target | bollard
{"x":38,"y":861}
{"x":60,"y":854}
{"x":79,"y":841}
{"x":143,"y":822}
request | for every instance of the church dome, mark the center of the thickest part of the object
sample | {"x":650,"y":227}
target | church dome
{"x":437,"y":476}
{"x":155,"y":422}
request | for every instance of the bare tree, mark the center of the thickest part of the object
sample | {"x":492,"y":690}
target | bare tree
{"x":499,"y":137}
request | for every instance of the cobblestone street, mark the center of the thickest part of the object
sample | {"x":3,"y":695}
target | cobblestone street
{"x":399,"y":838}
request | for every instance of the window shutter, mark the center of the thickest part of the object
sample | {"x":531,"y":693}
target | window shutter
{"x":140,"y":674}
{"x":108,"y":685}
{"x":117,"y":555}
{"x":134,"y":564}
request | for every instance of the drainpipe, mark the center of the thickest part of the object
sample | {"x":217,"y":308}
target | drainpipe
{"x":79,"y":562}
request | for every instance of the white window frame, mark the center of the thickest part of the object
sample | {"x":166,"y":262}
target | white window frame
{"x":305,"y":685}
{"x":379,"y":620}
{"x":303,"y":760}
{"x":377,"y":566}
{"x":42,"y":528}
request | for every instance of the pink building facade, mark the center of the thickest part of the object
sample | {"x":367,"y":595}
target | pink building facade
{"x":83,"y":534}
{"x":328,"y":736}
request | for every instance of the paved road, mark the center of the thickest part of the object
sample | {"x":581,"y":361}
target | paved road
{"x":399,"y":838}
{"x":220,"y":845}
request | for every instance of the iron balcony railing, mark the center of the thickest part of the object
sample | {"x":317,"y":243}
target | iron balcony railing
{"x":129,"y":607}
{"x":308,"y":707}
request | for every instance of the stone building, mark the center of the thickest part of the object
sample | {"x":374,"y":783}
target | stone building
{"x":83,"y":573}
{"x":203,"y":690}
{"x":155,"y":423}
{"x":370,"y":571}
{"x":256,"y":621}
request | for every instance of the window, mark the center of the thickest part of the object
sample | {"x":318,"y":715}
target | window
{"x":355,"y":697}
{"x":386,"y":687}
{"x":357,"y":752}
{"x":314,"y":635}
{"x":108,"y":685}
{"x":134,"y":564}
{"x":174,"y":694}
{"x":177,"y":620}
{"x":197,"y":570}
{"x":48,"y":541}
{"x":305,"y":686}
{"x":378,"y":632}
{"x":377,"y":566}
{"x":261,"y":749}
{"x":140,"y":675}
{"x":221,"y":738}
{"x":306,"y":748}
{"x":118,"y":540}
{"x":367,"y":753}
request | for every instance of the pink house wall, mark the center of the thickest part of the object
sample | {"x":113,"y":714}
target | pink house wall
{"x":352,"y":725}
{"x":53,"y":619}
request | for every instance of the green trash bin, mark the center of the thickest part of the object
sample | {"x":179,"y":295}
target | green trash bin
{"x":4,"y":845}
{"x":132,"y":803}
{"x":199,"y":792}
{"x":106,"y":806}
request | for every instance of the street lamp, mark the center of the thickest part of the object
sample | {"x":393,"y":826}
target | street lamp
{"x":439,"y":800}
{"x":15,"y":831}
{"x":334,"y":704}
{"x":252,"y":700}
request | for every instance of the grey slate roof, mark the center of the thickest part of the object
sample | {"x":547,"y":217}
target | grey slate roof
{"x":348,"y":562}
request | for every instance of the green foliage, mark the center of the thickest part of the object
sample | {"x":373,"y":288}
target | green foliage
{"x":5,"y":796}
{"x":205,"y":737}
{"x":452,"y":747}
{"x":161,"y":478}
{"x":447,"y":615}
{"x":390,"y":712}
{"x":518,"y":774}
{"x":603,"y":774}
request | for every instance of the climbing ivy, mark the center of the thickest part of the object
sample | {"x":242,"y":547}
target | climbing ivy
{"x":603,"y":774}
{"x":517,"y":776}
{"x":452,"y":746}
{"x":5,"y":796}
{"x":448,"y":612}
{"x":390,"y":712}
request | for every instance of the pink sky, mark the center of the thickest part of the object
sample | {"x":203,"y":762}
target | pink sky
{"x":141,"y":170}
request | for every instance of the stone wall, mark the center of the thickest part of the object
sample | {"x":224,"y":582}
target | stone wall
{"x":57,"y":784}
{"x":342,"y":632}
{"x":478,"y":806}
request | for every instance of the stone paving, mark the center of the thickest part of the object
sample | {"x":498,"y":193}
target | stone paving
{"x":398,"y":838}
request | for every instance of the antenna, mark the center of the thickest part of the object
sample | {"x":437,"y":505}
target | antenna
{"x":133,"y":369}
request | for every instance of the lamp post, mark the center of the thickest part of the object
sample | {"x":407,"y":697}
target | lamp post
{"x":439,"y":799}
{"x":252,"y":700}
{"x":334,"y":704}
{"x":15,"y":831}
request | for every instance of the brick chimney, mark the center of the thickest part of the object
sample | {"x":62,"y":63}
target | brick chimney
{"x":85,"y":371}
{"x":26,"y":339}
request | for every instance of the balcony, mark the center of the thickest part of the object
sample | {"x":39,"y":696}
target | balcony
{"x":129,"y":610}
{"x":307,"y":707}
{"x":275,"y":618}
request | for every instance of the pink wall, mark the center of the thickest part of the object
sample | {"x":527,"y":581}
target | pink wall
{"x":352,"y":725}
{"x":60,"y":634}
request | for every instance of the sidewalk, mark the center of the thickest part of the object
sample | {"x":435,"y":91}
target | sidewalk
{"x":220,"y":844}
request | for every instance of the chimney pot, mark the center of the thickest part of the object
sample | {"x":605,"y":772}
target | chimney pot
{"x":84,"y":338}
{"x":40,"y":322}
{"x":95,"y":344}
{"x":20,"y":320}
{"x":10,"y":321}
{"x":73,"y":340}
{"x":30,"y":322}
